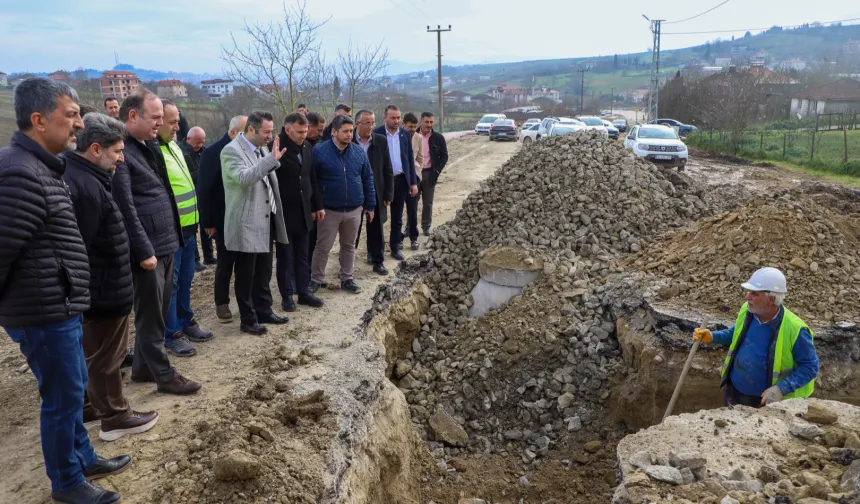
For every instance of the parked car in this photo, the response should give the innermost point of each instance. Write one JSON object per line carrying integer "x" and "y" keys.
{"x": 594, "y": 123}
{"x": 483, "y": 126}
{"x": 612, "y": 130}
{"x": 530, "y": 122}
{"x": 530, "y": 134}
{"x": 605, "y": 113}
{"x": 681, "y": 128}
{"x": 504, "y": 128}
{"x": 558, "y": 129}
{"x": 621, "y": 124}
{"x": 658, "y": 144}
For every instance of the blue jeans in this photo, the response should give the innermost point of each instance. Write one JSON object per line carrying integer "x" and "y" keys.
{"x": 179, "y": 314}
{"x": 55, "y": 354}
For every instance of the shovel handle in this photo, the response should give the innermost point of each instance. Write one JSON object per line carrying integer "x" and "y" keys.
{"x": 684, "y": 372}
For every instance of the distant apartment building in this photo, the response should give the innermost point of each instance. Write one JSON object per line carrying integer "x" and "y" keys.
{"x": 4, "y": 79}
{"x": 509, "y": 94}
{"x": 60, "y": 75}
{"x": 217, "y": 88}
{"x": 851, "y": 47}
{"x": 171, "y": 88}
{"x": 759, "y": 59}
{"x": 118, "y": 84}
{"x": 546, "y": 94}
{"x": 723, "y": 62}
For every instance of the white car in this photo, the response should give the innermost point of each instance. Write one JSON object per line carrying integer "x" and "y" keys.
{"x": 565, "y": 128}
{"x": 546, "y": 124}
{"x": 658, "y": 144}
{"x": 594, "y": 123}
{"x": 530, "y": 122}
{"x": 530, "y": 134}
{"x": 486, "y": 122}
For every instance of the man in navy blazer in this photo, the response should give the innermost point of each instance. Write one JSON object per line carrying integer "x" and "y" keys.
{"x": 405, "y": 180}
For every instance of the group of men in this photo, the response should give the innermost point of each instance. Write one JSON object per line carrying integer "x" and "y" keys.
{"x": 101, "y": 214}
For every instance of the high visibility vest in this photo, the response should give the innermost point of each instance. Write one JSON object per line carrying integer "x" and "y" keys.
{"x": 783, "y": 357}
{"x": 182, "y": 184}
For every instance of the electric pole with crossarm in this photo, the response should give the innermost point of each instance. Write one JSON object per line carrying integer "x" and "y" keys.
{"x": 439, "y": 31}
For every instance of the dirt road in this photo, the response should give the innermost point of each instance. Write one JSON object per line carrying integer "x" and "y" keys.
{"x": 223, "y": 364}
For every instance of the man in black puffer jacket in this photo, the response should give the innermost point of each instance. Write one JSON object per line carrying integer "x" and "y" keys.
{"x": 44, "y": 284}
{"x": 106, "y": 331}
{"x": 143, "y": 193}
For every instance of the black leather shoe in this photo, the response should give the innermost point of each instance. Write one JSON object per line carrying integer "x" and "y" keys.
{"x": 105, "y": 467}
{"x": 426, "y": 231}
{"x": 369, "y": 259}
{"x": 311, "y": 300}
{"x": 397, "y": 254}
{"x": 212, "y": 261}
{"x": 271, "y": 318}
{"x": 86, "y": 494}
{"x": 255, "y": 329}
{"x": 288, "y": 304}
{"x": 380, "y": 269}
{"x": 414, "y": 244}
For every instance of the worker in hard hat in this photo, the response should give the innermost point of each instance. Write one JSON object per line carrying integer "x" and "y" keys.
{"x": 771, "y": 356}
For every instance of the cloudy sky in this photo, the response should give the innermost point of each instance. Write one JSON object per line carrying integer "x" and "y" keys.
{"x": 186, "y": 35}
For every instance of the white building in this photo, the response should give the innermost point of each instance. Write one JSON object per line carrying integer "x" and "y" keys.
{"x": 546, "y": 94}
{"x": 794, "y": 64}
{"x": 217, "y": 88}
{"x": 4, "y": 79}
{"x": 723, "y": 62}
{"x": 840, "y": 96}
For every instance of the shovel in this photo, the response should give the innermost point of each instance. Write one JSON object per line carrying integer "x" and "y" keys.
{"x": 684, "y": 372}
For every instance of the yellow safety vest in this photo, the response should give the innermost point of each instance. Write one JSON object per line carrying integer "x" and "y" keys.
{"x": 182, "y": 184}
{"x": 783, "y": 357}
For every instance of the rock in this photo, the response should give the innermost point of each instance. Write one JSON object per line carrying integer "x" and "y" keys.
{"x": 574, "y": 424}
{"x": 565, "y": 400}
{"x": 513, "y": 435}
{"x": 260, "y": 430}
{"x": 719, "y": 422}
{"x": 850, "y": 481}
{"x": 446, "y": 430}
{"x": 780, "y": 449}
{"x": 813, "y": 500}
{"x": 237, "y": 466}
{"x": 729, "y": 500}
{"x": 804, "y": 430}
{"x": 799, "y": 263}
{"x": 742, "y": 486}
{"x": 818, "y": 486}
{"x": 819, "y": 414}
{"x": 852, "y": 441}
{"x": 592, "y": 446}
{"x": 738, "y": 474}
{"x": 641, "y": 459}
{"x": 689, "y": 459}
{"x": 687, "y": 476}
{"x": 768, "y": 474}
{"x": 665, "y": 473}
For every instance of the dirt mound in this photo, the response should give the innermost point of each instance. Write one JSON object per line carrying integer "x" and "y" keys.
{"x": 521, "y": 378}
{"x": 816, "y": 247}
{"x": 835, "y": 197}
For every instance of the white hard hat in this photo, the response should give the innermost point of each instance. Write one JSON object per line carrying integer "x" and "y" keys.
{"x": 766, "y": 279}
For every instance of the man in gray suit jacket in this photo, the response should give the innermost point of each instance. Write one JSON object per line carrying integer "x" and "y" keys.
{"x": 253, "y": 217}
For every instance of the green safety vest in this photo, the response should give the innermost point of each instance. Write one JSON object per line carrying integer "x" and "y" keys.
{"x": 182, "y": 184}
{"x": 783, "y": 358}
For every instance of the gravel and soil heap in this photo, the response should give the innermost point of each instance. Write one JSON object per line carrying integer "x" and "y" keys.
{"x": 817, "y": 247}
{"x": 516, "y": 379}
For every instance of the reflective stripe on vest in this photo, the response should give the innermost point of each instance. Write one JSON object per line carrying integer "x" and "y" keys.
{"x": 182, "y": 184}
{"x": 783, "y": 356}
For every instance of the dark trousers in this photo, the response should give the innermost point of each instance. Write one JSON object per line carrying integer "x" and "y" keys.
{"x": 105, "y": 346}
{"x": 428, "y": 191}
{"x": 152, "y": 291}
{"x": 731, "y": 397}
{"x": 293, "y": 268}
{"x": 253, "y": 274}
{"x": 223, "y": 270}
{"x": 56, "y": 358}
{"x": 312, "y": 245}
{"x": 375, "y": 237}
{"x": 206, "y": 245}
{"x": 401, "y": 198}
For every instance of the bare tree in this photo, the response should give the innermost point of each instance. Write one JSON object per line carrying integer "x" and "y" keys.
{"x": 277, "y": 57}
{"x": 90, "y": 92}
{"x": 322, "y": 84}
{"x": 360, "y": 65}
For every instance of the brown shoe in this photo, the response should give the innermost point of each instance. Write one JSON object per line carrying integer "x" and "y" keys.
{"x": 179, "y": 386}
{"x": 135, "y": 424}
{"x": 223, "y": 313}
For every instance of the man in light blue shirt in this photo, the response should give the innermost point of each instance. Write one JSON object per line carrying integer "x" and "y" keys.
{"x": 405, "y": 180}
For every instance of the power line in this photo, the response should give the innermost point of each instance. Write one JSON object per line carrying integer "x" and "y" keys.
{"x": 758, "y": 29}
{"x": 699, "y": 15}
{"x": 416, "y": 7}
{"x": 413, "y": 16}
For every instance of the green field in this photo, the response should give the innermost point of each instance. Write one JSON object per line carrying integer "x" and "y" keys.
{"x": 7, "y": 117}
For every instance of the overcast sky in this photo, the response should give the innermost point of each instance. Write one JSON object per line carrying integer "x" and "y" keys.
{"x": 186, "y": 35}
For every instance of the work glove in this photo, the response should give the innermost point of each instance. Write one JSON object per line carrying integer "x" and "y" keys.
{"x": 702, "y": 335}
{"x": 771, "y": 395}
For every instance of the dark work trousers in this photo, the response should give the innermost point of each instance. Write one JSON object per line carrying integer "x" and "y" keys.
{"x": 731, "y": 397}
{"x": 105, "y": 345}
{"x": 206, "y": 244}
{"x": 251, "y": 286}
{"x": 375, "y": 237}
{"x": 401, "y": 197}
{"x": 292, "y": 269}
{"x": 152, "y": 291}
{"x": 312, "y": 244}
{"x": 223, "y": 270}
{"x": 428, "y": 191}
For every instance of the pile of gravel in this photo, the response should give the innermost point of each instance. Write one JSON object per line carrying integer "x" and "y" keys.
{"x": 542, "y": 365}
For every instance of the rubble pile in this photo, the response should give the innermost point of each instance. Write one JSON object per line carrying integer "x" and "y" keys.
{"x": 818, "y": 248}
{"x": 817, "y": 461}
{"x": 521, "y": 375}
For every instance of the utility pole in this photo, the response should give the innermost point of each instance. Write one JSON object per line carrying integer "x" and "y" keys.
{"x": 439, "y": 31}
{"x": 654, "y": 89}
{"x": 582, "y": 87}
{"x": 611, "y": 99}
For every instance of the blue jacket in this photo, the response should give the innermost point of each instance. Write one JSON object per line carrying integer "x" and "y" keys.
{"x": 345, "y": 177}
{"x": 754, "y": 361}
{"x": 407, "y": 155}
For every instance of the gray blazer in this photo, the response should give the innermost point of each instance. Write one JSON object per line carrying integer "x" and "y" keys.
{"x": 246, "y": 198}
